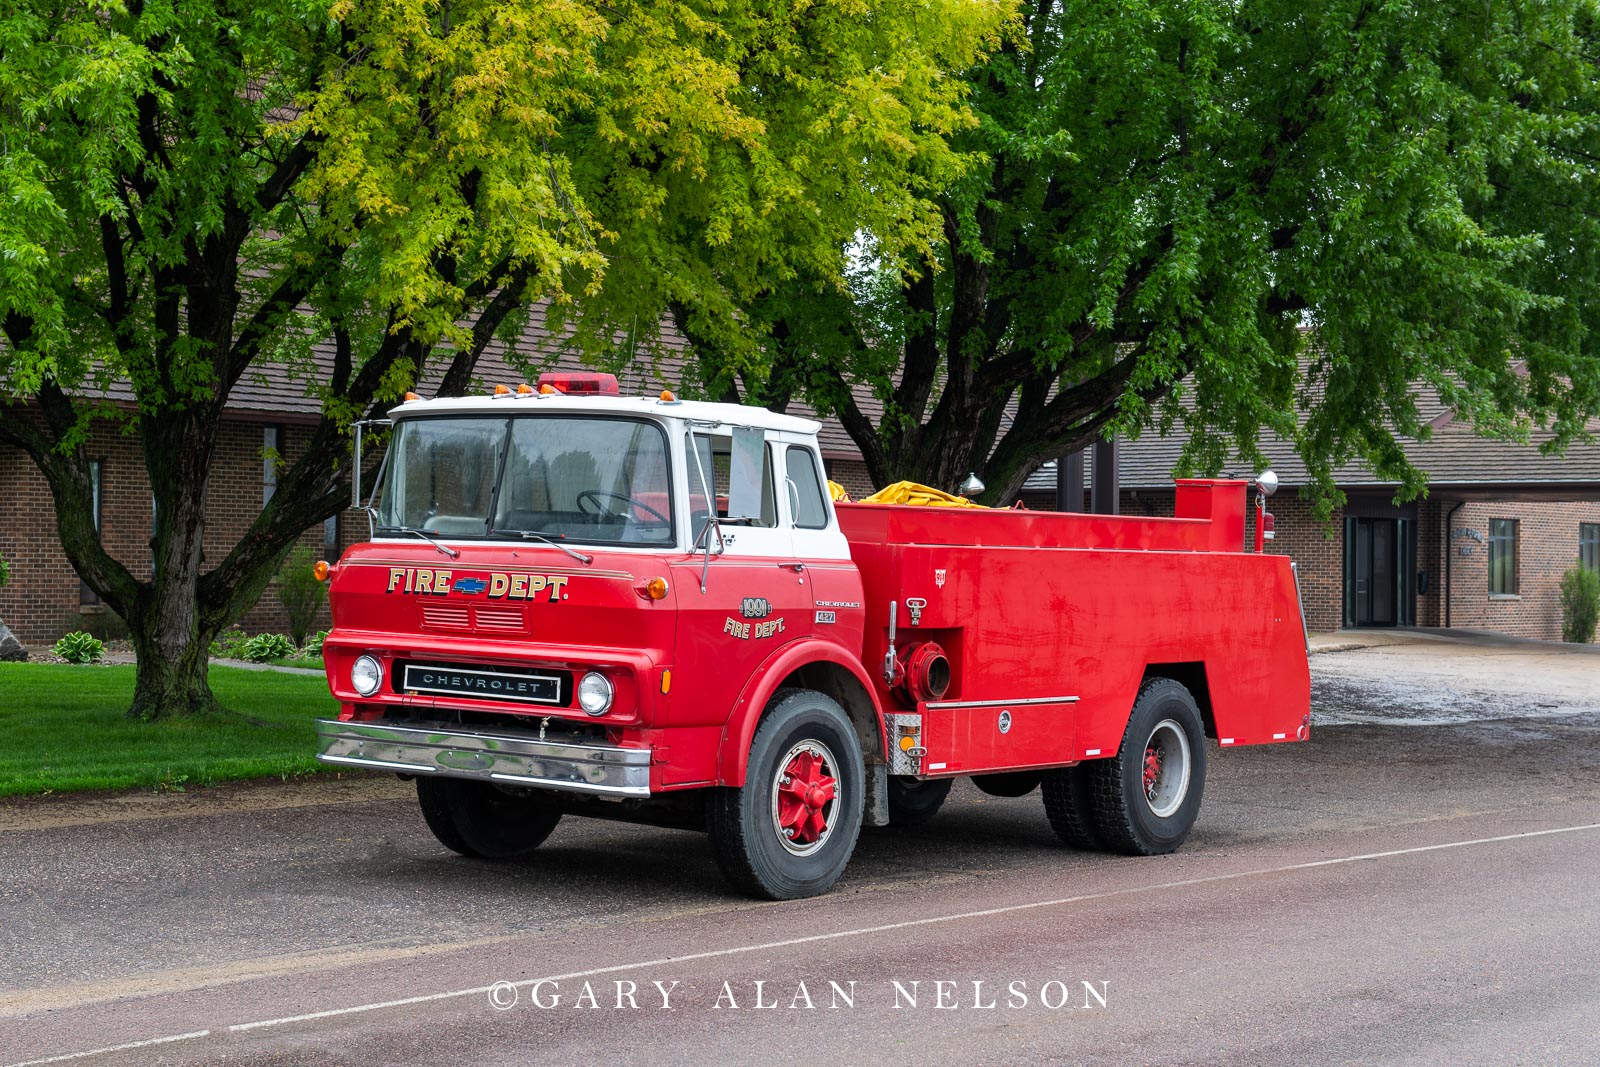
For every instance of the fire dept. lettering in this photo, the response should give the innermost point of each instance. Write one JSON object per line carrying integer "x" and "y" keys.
{"x": 751, "y": 631}
{"x": 500, "y": 586}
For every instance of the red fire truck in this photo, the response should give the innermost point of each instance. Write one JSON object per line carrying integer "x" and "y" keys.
{"x": 578, "y": 603}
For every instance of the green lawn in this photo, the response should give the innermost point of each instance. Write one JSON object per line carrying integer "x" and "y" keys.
{"x": 63, "y": 730}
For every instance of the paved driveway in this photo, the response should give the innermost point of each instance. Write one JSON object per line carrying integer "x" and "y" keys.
{"x": 1406, "y": 678}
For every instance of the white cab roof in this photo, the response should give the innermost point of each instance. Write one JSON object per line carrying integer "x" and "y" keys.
{"x": 651, "y": 407}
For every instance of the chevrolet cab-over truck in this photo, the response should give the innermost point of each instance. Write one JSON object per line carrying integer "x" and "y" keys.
{"x": 648, "y": 609}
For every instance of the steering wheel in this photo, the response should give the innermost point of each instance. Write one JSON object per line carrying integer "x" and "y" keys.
{"x": 594, "y": 496}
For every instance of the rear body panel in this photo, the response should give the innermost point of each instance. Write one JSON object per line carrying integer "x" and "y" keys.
{"x": 1051, "y": 621}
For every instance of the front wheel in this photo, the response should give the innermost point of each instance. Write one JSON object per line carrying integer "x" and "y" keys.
{"x": 789, "y": 831}
{"x": 1146, "y": 798}
{"x": 484, "y": 821}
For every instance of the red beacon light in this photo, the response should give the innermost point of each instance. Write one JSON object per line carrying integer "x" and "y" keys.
{"x": 580, "y": 383}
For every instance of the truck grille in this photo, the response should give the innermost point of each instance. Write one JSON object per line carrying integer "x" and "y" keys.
{"x": 445, "y": 616}
{"x": 504, "y": 620}
{"x": 460, "y": 617}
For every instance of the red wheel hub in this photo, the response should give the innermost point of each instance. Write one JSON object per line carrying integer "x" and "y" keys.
{"x": 1152, "y": 770}
{"x": 804, "y": 792}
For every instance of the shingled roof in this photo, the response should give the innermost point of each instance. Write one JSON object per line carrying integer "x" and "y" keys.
{"x": 271, "y": 391}
{"x": 1455, "y": 457}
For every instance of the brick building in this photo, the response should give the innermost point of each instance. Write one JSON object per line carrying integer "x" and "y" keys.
{"x": 269, "y": 414}
{"x": 1483, "y": 550}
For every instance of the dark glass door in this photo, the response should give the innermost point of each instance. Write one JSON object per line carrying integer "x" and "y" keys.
{"x": 1375, "y": 567}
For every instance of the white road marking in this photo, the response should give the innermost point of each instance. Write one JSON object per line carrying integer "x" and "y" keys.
{"x": 115, "y": 1048}
{"x": 768, "y": 946}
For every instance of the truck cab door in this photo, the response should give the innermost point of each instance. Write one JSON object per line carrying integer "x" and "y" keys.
{"x": 757, "y": 594}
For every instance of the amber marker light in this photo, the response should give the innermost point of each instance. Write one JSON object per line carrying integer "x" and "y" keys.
{"x": 320, "y": 569}
{"x": 666, "y": 681}
{"x": 502, "y": 390}
{"x": 524, "y": 389}
{"x": 546, "y": 390}
{"x": 412, "y": 396}
{"x": 667, "y": 397}
{"x": 907, "y": 743}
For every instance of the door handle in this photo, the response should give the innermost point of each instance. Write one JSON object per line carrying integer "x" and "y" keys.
{"x": 796, "y": 566}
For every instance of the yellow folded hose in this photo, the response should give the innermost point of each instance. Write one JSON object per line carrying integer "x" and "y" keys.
{"x": 919, "y": 496}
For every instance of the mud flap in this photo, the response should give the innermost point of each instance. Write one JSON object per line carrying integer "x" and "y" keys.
{"x": 876, "y": 810}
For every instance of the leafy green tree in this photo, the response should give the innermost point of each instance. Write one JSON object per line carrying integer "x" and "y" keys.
{"x": 300, "y": 592}
{"x": 1170, "y": 192}
{"x": 195, "y": 188}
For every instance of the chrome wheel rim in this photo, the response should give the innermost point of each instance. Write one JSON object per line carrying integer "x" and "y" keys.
{"x": 1165, "y": 768}
{"x": 805, "y": 797}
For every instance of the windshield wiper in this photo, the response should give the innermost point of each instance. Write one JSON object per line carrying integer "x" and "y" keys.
{"x": 535, "y": 535}
{"x": 446, "y": 549}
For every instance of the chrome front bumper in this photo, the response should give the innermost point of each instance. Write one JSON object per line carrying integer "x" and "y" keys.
{"x": 453, "y": 752}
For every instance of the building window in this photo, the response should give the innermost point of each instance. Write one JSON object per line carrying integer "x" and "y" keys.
{"x": 97, "y": 469}
{"x": 1589, "y": 545}
{"x": 269, "y": 463}
{"x": 330, "y": 536}
{"x": 1502, "y": 557}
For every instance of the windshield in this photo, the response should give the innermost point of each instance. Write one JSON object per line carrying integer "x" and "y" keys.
{"x": 593, "y": 480}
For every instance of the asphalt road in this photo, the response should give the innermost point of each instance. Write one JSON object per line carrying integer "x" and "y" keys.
{"x": 1382, "y": 894}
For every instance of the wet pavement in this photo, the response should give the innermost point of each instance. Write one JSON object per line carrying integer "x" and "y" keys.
{"x": 1388, "y": 892}
{"x": 1425, "y": 679}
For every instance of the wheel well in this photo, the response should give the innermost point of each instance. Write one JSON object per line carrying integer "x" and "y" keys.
{"x": 1192, "y": 676}
{"x": 847, "y": 691}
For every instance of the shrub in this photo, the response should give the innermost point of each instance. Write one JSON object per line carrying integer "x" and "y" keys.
{"x": 263, "y": 647}
{"x": 313, "y": 646}
{"x": 1580, "y": 605}
{"x": 301, "y": 594}
{"x": 229, "y": 644}
{"x": 79, "y": 647}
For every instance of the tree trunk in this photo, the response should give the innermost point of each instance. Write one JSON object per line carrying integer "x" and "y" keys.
{"x": 171, "y": 641}
{"x": 171, "y": 678}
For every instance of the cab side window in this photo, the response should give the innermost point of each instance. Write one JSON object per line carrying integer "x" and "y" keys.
{"x": 715, "y": 460}
{"x": 805, "y": 489}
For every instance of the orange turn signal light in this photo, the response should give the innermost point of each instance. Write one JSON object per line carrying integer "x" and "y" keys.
{"x": 320, "y": 569}
{"x": 412, "y": 396}
{"x": 907, "y": 743}
{"x": 656, "y": 588}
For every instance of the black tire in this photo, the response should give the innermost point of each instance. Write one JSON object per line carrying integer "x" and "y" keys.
{"x": 801, "y": 731}
{"x": 1127, "y": 818}
{"x": 913, "y": 801}
{"x": 1008, "y": 783}
{"x": 1069, "y": 805}
{"x": 483, "y": 821}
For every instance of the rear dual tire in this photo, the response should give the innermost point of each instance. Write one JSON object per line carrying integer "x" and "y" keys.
{"x": 1144, "y": 800}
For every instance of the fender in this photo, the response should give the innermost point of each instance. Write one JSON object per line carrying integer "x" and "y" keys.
{"x": 734, "y": 752}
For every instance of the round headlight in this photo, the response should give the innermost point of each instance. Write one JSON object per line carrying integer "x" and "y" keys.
{"x": 366, "y": 674}
{"x": 595, "y": 693}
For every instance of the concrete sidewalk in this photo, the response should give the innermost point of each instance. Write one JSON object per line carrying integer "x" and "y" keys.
{"x": 1347, "y": 640}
